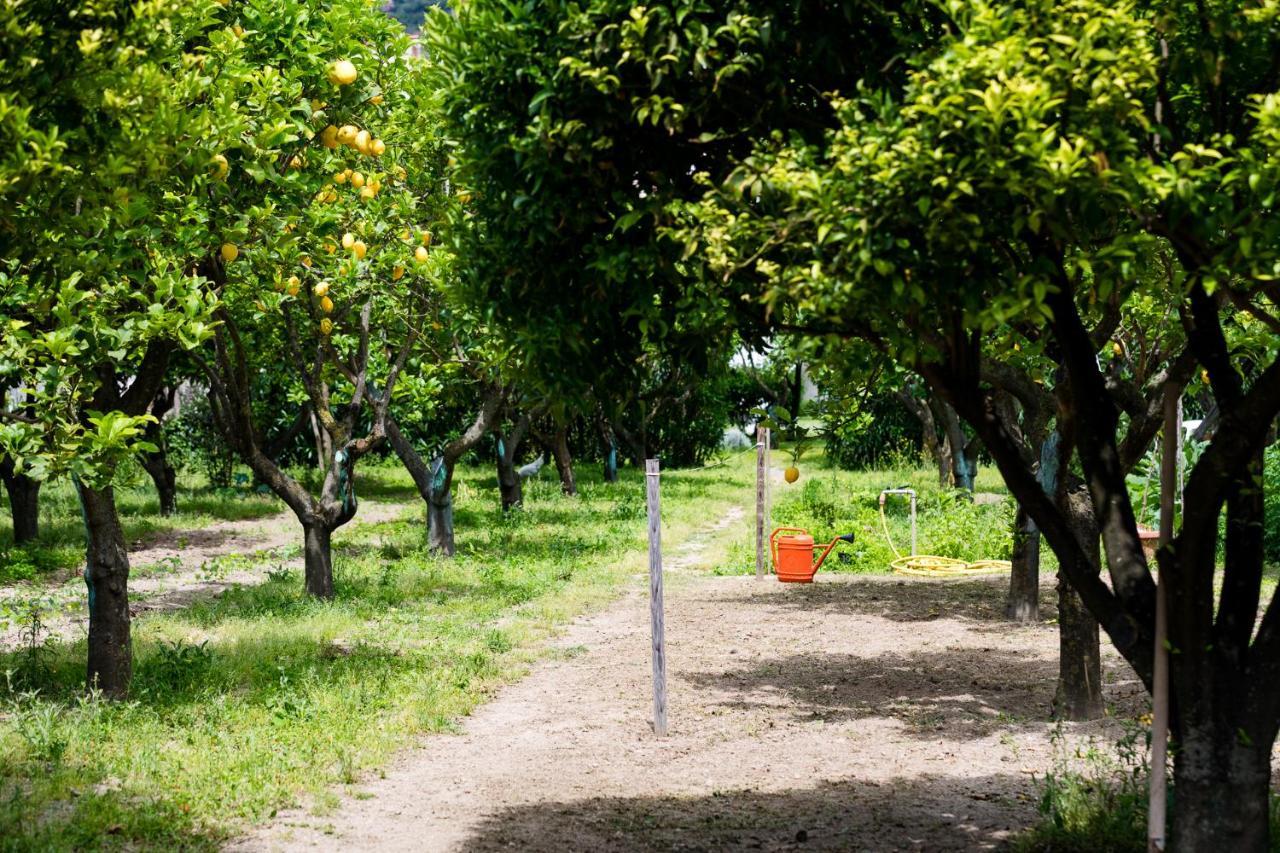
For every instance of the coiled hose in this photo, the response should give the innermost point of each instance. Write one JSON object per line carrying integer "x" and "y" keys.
{"x": 929, "y": 565}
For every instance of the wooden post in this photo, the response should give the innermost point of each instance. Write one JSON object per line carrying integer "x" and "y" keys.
{"x": 762, "y": 456}
{"x": 655, "y": 600}
{"x": 1169, "y": 482}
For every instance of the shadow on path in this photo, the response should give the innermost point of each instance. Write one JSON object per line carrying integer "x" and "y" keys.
{"x": 933, "y": 813}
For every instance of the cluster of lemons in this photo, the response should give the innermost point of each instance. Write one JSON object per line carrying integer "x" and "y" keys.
{"x": 341, "y": 73}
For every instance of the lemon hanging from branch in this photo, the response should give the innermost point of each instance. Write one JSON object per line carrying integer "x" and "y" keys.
{"x": 342, "y": 73}
{"x": 782, "y": 419}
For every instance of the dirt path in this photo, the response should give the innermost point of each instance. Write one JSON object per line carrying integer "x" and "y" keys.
{"x": 860, "y": 713}
{"x": 174, "y": 568}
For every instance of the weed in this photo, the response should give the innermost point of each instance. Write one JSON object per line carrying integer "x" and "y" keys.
{"x": 178, "y": 666}
{"x": 39, "y": 724}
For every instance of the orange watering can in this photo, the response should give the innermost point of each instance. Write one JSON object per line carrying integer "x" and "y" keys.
{"x": 793, "y": 555}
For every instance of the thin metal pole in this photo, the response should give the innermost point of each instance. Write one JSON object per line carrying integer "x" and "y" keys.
{"x": 762, "y": 455}
{"x": 768, "y": 485}
{"x": 656, "y": 616}
{"x": 914, "y": 547}
{"x": 1156, "y": 804}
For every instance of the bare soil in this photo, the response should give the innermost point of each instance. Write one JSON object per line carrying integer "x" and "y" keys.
{"x": 858, "y": 713}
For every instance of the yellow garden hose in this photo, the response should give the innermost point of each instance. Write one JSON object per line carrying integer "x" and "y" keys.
{"x": 928, "y": 565}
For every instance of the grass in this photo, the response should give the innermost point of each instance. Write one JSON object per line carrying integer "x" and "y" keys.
{"x": 262, "y": 699}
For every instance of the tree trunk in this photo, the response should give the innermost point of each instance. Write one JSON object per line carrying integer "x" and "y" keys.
{"x": 1023, "y": 604}
{"x": 24, "y": 503}
{"x": 510, "y": 483}
{"x": 611, "y": 463}
{"x": 157, "y": 464}
{"x": 1222, "y": 791}
{"x": 165, "y": 479}
{"x": 1079, "y": 691}
{"x": 929, "y": 430}
{"x": 510, "y": 486}
{"x": 318, "y": 555}
{"x": 440, "y": 525}
{"x": 106, "y": 575}
{"x": 564, "y": 461}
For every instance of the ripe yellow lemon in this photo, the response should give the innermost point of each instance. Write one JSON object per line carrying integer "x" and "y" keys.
{"x": 426, "y": 238}
{"x": 368, "y": 193}
{"x": 397, "y": 273}
{"x": 326, "y": 326}
{"x": 791, "y": 474}
{"x": 359, "y": 249}
{"x": 420, "y": 254}
{"x": 321, "y": 289}
{"x": 229, "y": 252}
{"x": 348, "y": 240}
{"x": 346, "y": 134}
{"x": 326, "y": 305}
{"x": 362, "y": 140}
{"x": 329, "y": 137}
{"x": 357, "y": 180}
{"x": 340, "y": 178}
{"x": 292, "y": 285}
{"x": 377, "y": 148}
{"x": 342, "y": 73}
{"x": 1116, "y": 348}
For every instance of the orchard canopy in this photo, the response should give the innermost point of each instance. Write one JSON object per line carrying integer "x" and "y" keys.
{"x": 305, "y": 255}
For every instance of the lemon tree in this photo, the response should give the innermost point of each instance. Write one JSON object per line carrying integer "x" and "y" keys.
{"x": 1038, "y": 174}
{"x": 99, "y": 187}
{"x": 321, "y": 227}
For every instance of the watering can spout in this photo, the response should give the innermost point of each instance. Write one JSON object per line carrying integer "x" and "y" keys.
{"x": 848, "y": 537}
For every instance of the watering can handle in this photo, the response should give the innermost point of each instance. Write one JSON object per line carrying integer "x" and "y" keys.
{"x": 773, "y": 540}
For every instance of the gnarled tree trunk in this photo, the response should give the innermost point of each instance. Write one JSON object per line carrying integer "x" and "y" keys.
{"x": 165, "y": 479}
{"x": 156, "y": 463}
{"x": 929, "y": 430}
{"x": 434, "y": 482}
{"x": 564, "y": 460}
{"x": 1079, "y": 692}
{"x": 24, "y": 502}
{"x": 1023, "y": 603}
{"x": 318, "y": 557}
{"x": 510, "y": 484}
{"x": 106, "y": 575}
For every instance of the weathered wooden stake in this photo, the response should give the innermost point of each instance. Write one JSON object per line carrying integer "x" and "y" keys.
{"x": 655, "y": 600}
{"x": 762, "y": 456}
{"x": 1169, "y": 483}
